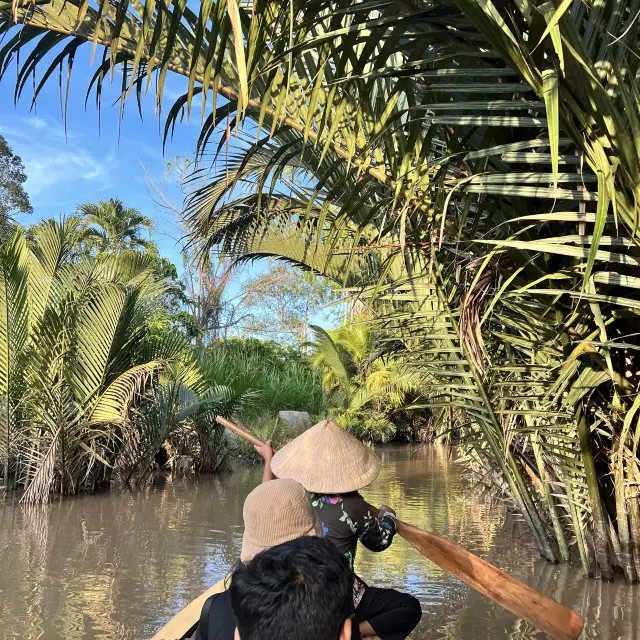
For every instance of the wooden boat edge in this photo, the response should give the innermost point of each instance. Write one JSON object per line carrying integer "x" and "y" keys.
{"x": 187, "y": 618}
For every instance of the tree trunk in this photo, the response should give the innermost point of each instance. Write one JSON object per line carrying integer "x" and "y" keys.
{"x": 210, "y": 459}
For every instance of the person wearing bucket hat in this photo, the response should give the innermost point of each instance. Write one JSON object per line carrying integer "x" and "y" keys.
{"x": 333, "y": 466}
{"x": 275, "y": 512}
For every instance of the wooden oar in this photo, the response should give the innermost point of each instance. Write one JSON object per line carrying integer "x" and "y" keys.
{"x": 541, "y": 611}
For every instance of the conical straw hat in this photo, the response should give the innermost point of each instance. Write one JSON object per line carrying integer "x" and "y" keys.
{"x": 327, "y": 459}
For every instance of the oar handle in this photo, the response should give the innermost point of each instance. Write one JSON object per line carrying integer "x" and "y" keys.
{"x": 243, "y": 433}
{"x": 497, "y": 585}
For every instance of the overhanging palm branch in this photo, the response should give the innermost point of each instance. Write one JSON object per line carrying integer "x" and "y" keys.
{"x": 474, "y": 164}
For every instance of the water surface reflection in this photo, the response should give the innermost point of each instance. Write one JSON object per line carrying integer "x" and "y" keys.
{"x": 118, "y": 565}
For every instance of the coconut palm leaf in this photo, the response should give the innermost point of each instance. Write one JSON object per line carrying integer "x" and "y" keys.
{"x": 109, "y": 226}
{"x": 14, "y": 332}
{"x": 328, "y": 354}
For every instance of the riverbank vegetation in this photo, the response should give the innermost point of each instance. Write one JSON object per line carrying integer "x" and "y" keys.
{"x": 466, "y": 170}
{"x": 366, "y": 390}
{"x": 88, "y": 390}
{"x": 100, "y": 383}
{"x": 109, "y": 378}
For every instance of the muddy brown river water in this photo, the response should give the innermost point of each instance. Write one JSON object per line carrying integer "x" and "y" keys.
{"x": 118, "y": 565}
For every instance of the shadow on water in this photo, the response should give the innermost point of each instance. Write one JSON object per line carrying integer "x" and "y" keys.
{"x": 118, "y": 565}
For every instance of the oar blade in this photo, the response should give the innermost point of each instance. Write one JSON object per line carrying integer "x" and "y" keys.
{"x": 541, "y": 611}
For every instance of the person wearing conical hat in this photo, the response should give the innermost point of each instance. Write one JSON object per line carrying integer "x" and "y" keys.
{"x": 333, "y": 466}
{"x": 275, "y": 512}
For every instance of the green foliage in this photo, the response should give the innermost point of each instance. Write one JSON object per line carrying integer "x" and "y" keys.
{"x": 279, "y": 377}
{"x": 111, "y": 227}
{"x": 283, "y": 379}
{"x": 72, "y": 339}
{"x": 275, "y": 354}
{"x": 267, "y": 427}
{"x": 466, "y": 169}
{"x": 91, "y": 382}
{"x": 178, "y": 414}
{"x": 368, "y": 425}
{"x": 13, "y": 197}
{"x": 175, "y": 295}
{"x": 364, "y": 385}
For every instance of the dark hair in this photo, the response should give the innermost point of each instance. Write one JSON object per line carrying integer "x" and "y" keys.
{"x": 299, "y": 590}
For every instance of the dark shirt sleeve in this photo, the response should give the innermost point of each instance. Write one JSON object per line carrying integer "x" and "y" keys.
{"x": 375, "y": 533}
{"x": 217, "y": 621}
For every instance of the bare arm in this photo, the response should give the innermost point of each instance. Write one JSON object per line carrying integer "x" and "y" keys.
{"x": 266, "y": 453}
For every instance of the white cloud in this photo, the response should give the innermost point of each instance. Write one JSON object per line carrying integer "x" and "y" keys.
{"x": 54, "y": 165}
{"x": 49, "y": 167}
{"x": 48, "y": 128}
{"x": 35, "y": 122}
{"x": 172, "y": 94}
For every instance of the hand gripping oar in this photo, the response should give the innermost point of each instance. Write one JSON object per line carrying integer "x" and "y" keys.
{"x": 541, "y": 611}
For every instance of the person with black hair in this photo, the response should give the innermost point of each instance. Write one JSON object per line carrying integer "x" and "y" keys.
{"x": 273, "y": 513}
{"x": 298, "y": 590}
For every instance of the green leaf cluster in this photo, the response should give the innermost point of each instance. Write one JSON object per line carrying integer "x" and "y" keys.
{"x": 468, "y": 170}
{"x": 365, "y": 383}
{"x": 86, "y": 390}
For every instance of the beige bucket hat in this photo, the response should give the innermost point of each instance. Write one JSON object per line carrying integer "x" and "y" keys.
{"x": 327, "y": 459}
{"x": 275, "y": 512}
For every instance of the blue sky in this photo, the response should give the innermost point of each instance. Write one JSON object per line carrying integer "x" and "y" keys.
{"x": 89, "y": 163}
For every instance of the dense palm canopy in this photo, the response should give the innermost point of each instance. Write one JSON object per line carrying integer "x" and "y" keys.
{"x": 85, "y": 388}
{"x": 110, "y": 226}
{"x": 469, "y": 169}
{"x": 71, "y": 338}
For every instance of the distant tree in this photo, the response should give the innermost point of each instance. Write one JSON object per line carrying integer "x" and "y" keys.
{"x": 174, "y": 296}
{"x": 205, "y": 286}
{"x": 111, "y": 227}
{"x": 282, "y": 302}
{"x": 208, "y": 310}
{"x": 13, "y": 197}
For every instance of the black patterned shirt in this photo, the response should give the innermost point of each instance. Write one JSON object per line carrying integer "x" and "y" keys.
{"x": 347, "y": 518}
